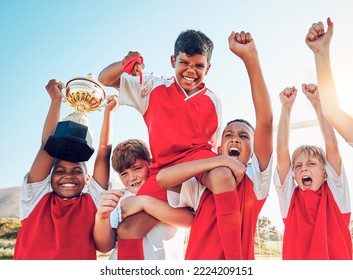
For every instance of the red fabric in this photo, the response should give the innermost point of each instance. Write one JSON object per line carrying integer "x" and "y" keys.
{"x": 130, "y": 249}
{"x": 129, "y": 64}
{"x": 315, "y": 229}
{"x": 205, "y": 242}
{"x": 179, "y": 128}
{"x": 250, "y": 208}
{"x": 229, "y": 223}
{"x": 58, "y": 229}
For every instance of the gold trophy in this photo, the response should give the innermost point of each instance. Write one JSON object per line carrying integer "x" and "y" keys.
{"x": 72, "y": 140}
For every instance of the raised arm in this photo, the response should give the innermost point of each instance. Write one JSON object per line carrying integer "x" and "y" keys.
{"x": 319, "y": 42}
{"x": 110, "y": 75}
{"x": 243, "y": 45}
{"x": 332, "y": 152}
{"x": 43, "y": 162}
{"x": 161, "y": 210}
{"x": 287, "y": 97}
{"x": 101, "y": 170}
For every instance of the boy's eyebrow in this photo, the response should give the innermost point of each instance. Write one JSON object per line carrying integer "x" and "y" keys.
{"x": 239, "y": 131}
{"x": 183, "y": 60}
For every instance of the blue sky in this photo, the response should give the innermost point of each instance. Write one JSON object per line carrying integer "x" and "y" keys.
{"x": 41, "y": 40}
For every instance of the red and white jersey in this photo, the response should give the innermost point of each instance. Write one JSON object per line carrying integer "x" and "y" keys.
{"x": 204, "y": 242}
{"x": 54, "y": 228}
{"x": 316, "y": 222}
{"x": 338, "y": 186}
{"x": 178, "y": 125}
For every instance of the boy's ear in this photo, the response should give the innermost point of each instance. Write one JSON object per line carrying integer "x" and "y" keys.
{"x": 172, "y": 60}
{"x": 208, "y": 68}
{"x": 88, "y": 178}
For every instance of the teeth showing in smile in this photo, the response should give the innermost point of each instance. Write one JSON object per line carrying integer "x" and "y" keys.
{"x": 234, "y": 152}
{"x": 189, "y": 79}
{"x": 306, "y": 180}
{"x": 68, "y": 185}
{"x": 135, "y": 185}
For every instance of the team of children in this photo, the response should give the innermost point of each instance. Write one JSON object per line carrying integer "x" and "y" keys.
{"x": 201, "y": 177}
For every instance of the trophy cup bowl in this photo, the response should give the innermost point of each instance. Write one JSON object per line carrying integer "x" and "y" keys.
{"x": 72, "y": 140}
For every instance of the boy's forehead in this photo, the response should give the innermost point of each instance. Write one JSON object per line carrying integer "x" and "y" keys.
{"x": 197, "y": 56}
{"x": 139, "y": 162}
{"x": 238, "y": 126}
{"x": 306, "y": 156}
{"x": 65, "y": 163}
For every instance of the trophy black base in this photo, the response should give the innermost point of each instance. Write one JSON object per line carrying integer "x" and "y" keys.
{"x": 70, "y": 142}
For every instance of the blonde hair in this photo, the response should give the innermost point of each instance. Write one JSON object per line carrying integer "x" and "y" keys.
{"x": 310, "y": 151}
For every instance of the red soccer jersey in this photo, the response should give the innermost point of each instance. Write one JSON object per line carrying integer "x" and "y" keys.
{"x": 180, "y": 128}
{"x": 58, "y": 229}
{"x": 250, "y": 208}
{"x": 315, "y": 228}
{"x": 178, "y": 125}
{"x": 205, "y": 243}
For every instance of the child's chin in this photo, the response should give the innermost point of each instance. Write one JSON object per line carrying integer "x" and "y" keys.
{"x": 307, "y": 188}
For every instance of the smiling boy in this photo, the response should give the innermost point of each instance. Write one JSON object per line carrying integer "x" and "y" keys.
{"x": 131, "y": 159}
{"x": 57, "y": 211}
{"x": 182, "y": 115}
{"x": 225, "y": 229}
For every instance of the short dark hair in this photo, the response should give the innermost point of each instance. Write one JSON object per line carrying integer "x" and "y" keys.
{"x": 242, "y": 121}
{"x": 127, "y": 152}
{"x": 57, "y": 160}
{"x": 193, "y": 42}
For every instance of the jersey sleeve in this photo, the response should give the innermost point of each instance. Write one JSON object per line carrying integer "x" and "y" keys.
{"x": 190, "y": 194}
{"x": 31, "y": 194}
{"x": 217, "y": 136}
{"x": 285, "y": 191}
{"x": 339, "y": 187}
{"x": 130, "y": 91}
{"x": 261, "y": 180}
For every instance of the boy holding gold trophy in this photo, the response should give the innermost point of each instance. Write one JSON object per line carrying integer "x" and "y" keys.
{"x": 57, "y": 215}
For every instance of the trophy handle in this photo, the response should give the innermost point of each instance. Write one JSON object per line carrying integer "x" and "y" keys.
{"x": 63, "y": 95}
{"x": 105, "y": 104}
